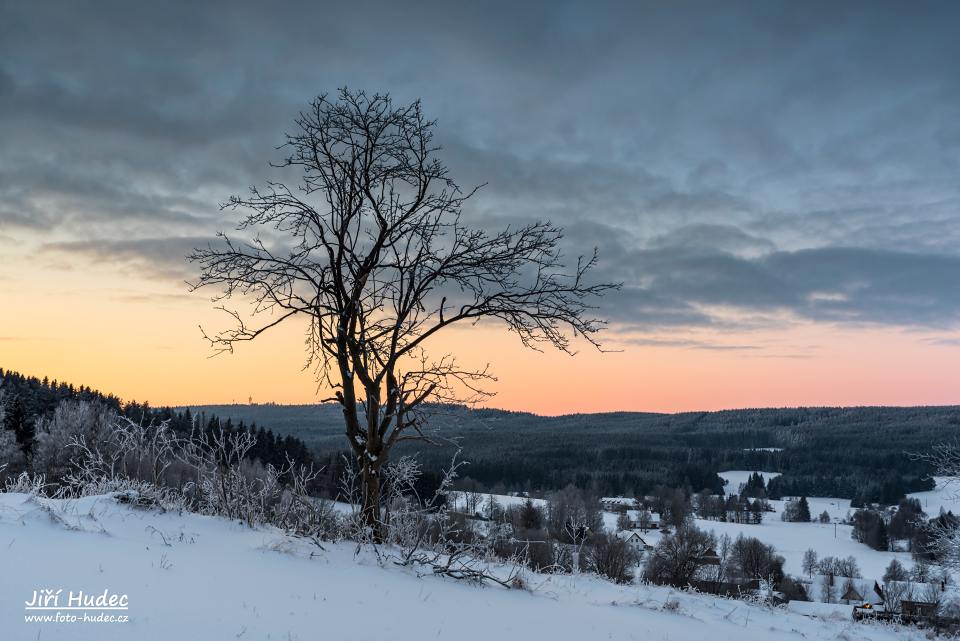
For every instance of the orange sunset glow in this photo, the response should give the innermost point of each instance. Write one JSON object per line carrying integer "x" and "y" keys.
{"x": 141, "y": 341}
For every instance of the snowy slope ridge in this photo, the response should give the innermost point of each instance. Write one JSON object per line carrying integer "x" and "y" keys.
{"x": 192, "y": 577}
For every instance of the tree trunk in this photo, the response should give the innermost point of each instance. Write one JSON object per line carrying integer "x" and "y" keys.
{"x": 370, "y": 478}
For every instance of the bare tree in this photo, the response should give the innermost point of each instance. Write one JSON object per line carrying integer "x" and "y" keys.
{"x": 894, "y": 592}
{"x": 372, "y": 249}
{"x": 612, "y": 557}
{"x": 943, "y": 534}
{"x": 678, "y": 558}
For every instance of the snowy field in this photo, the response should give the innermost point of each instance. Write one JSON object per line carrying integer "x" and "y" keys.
{"x": 735, "y": 478}
{"x": 946, "y": 495}
{"x": 833, "y": 539}
{"x": 193, "y": 577}
{"x": 792, "y": 539}
{"x": 460, "y": 500}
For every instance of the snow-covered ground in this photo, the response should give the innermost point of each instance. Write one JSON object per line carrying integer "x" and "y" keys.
{"x": 193, "y": 577}
{"x": 833, "y": 539}
{"x": 946, "y": 495}
{"x": 461, "y": 500}
{"x": 792, "y": 539}
{"x": 733, "y": 479}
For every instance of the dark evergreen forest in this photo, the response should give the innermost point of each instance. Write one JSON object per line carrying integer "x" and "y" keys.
{"x": 28, "y": 398}
{"x": 860, "y": 453}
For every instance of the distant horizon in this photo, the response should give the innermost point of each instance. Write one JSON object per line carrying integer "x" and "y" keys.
{"x": 520, "y": 411}
{"x": 256, "y": 403}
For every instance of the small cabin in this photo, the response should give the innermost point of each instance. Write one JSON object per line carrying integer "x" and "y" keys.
{"x": 918, "y": 608}
{"x": 710, "y": 557}
{"x": 861, "y": 591}
{"x": 917, "y": 599}
{"x": 826, "y": 588}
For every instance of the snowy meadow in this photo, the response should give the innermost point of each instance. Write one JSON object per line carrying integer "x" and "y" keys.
{"x": 191, "y": 576}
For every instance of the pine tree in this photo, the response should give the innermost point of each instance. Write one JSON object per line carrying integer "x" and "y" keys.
{"x": 895, "y": 572}
{"x": 17, "y": 421}
{"x": 881, "y": 540}
{"x": 803, "y": 510}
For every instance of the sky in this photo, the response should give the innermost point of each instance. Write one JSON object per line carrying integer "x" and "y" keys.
{"x": 776, "y": 184}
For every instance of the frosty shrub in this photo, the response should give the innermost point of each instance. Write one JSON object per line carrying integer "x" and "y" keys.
{"x": 25, "y": 483}
{"x": 122, "y": 456}
{"x": 421, "y": 532}
{"x": 90, "y": 451}
{"x": 72, "y": 420}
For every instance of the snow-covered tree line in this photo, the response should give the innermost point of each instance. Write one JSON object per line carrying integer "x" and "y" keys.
{"x": 86, "y": 448}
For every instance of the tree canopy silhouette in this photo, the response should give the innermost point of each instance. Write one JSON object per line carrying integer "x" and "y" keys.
{"x": 372, "y": 247}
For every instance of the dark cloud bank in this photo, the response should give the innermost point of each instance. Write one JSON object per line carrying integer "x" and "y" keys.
{"x": 765, "y": 157}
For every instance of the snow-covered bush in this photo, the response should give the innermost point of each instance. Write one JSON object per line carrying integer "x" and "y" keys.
{"x": 72, "y": 420}
{"x": 25, "y": 483}
{"x": 229, "y": 484}
{"x": 421, "y": 532}
{"x": 126, "y": 455}
{"x": 85, "y": 450}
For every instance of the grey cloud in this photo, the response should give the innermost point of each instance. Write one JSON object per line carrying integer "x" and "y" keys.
{"x": 725, "y": 238}
{"x": 760, "y": 156}
{"x": 832, "y": 284}
{"x": 158, "y": 257}
{"x": 683, "y": 343}
{"x": 650, "y": 308}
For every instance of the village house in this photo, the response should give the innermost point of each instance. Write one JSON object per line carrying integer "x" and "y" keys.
{"x": 918, "y": 608}
{"x": 643, "y": 520}
{"x": 636, "y": 541}
{"x": 912, "y": 598}
{"x": 617, "y": 503}
{"x": 640, "y": 518}
{"x": 827, "y": 588}
{"x": 710, "y": 557}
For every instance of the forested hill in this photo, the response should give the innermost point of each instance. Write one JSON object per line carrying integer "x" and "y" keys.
{"x": 861, "y": 453}
{"x": 858, "y": 452}
{"x": 26, "y": 400}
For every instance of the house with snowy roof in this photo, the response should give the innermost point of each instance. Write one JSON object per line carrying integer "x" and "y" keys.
{"x": 633, "y": 538}
{"x": 828, "y": 588}
{"x": 918, "y": 599}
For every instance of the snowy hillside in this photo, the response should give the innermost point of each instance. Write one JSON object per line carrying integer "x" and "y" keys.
{"x": 195, "y": 577}
{"x": 791, "y": 540}
{"x": 945, "y": 496}
{"x": 733, "y": 479}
